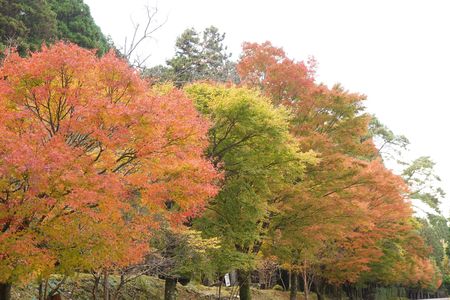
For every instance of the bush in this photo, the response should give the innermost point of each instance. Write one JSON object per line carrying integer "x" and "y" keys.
{"x": 278, "y": 287}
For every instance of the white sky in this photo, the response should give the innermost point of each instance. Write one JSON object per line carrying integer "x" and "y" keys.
{"x": 396, "y": 52}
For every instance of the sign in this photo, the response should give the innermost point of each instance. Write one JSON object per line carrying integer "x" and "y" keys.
{"x": 227, "y": 279}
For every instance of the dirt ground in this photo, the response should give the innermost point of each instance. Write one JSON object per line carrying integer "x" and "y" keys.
{"x": 143, "y": 288}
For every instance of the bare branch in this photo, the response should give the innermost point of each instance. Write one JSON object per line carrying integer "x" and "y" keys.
{"x": 139, "y": 36}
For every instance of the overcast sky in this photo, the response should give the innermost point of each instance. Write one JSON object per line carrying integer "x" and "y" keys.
{"x": 395, "y": 52}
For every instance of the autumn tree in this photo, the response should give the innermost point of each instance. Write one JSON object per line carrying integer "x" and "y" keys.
{"x": 426, "y": 193}
{"x": 405, "y": 262}
{"x": 383, "y": 214}
{"x": 406, "y": 258}
{"x": 327, "y": 121}
{"x": 334, "y": 238}
{"x": 334, "y": 222}
{"x": 90, "y": 161}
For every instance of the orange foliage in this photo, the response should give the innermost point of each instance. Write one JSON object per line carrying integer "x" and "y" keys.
{"x": 339, "y": 216}
{"x": 90, "y": 159}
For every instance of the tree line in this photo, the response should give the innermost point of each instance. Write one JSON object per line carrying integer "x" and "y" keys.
{"x": 202, "y": 167}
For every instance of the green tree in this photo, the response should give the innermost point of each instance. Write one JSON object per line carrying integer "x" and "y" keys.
{"x": 423, "y": 182}
{"x": 26, "y": 24}
{"x": 198, "y": 56}
{"x": 181, "y": 254}
{"x": 419, "y": 174}
{"x": 75, "y": 24}
{"x": 436, "y": 232}
{"x": 389, "y": 144}
{"x": 250, "y": 142}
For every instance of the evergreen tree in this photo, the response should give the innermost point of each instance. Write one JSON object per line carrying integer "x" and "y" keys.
{"x": 198, "y": 56}
{"x": 75, "y": 24}
{"x": 27, "y": 24}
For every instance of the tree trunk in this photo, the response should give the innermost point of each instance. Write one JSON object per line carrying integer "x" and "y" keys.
{"x": 306, "y": 285}
{"x": 5, "y": 291}
{"x": 318, "y": 287}
{"x": 41, "y": 291}
{"x": 244, "y": 285}
{"x": 284, "y": 279}
{"x": 45, "y": 288}
{"x": 293, "y": 285}
{"x": 170, "y": 289}
{"x": 220, "y": 288}
{"x": 105, "y": 285}
{"x": 95, "y": 287}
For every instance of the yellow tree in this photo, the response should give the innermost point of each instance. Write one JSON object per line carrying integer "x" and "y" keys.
{"x": 250, "y": 142}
